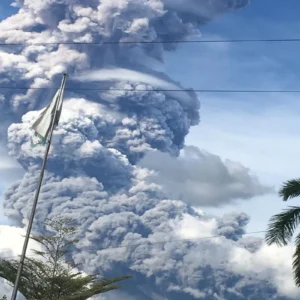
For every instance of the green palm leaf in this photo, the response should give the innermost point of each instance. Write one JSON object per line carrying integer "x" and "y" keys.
{"x": 296, "y": 262}
{"x": 282, "y": 226}
{"x": 290, "y": 189}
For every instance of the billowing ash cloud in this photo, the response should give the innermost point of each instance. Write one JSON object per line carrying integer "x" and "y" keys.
{"x": 93, "y": 173}
{"x": 119, "y": 208}
{"x": 202, "y": 179}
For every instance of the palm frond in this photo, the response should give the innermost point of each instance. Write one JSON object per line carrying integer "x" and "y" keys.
{"x": 282, "y": 226}
{"x": 296, "y": 261}
{"x": 290, "y": 189}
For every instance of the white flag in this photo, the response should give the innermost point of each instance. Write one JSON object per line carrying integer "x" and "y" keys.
{"x": 42, "y": 125}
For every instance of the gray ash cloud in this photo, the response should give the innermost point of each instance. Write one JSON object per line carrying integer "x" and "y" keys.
{"x": 93, "y": 173}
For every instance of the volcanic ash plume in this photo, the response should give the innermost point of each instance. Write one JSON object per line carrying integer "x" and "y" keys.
{"x": 94, "y": 174}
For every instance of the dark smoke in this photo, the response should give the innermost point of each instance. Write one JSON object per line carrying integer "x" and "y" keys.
{"x": 93, "y": 174}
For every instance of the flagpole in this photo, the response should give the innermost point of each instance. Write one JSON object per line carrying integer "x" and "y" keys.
{"x": 27, "y": 237}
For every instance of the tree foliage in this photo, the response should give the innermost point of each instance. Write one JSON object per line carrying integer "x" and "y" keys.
{"x": 282, "y": 226}
{"x": 290, "y": 189}
{"x": 52, "y": 276}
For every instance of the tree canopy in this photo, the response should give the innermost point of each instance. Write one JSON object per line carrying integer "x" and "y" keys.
{"x": 283, "y": 225}
{"x": 50, "y": 275}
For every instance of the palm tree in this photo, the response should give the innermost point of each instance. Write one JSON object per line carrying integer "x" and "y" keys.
{"x": 282, "y": 226}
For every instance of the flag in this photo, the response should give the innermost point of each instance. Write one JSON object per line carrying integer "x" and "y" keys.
{"x": 43, "y": 124}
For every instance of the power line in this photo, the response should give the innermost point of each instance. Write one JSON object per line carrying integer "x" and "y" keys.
{"x": 153, "y": 243}
{"x": 275, "y": 40}
{"x": 153, "y": 90}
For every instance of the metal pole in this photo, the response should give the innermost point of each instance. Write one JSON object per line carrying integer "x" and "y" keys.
{"x": 27, "y": 237}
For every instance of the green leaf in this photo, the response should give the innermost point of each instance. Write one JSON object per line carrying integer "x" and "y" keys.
{"x": 296, "y": 262}
{"x": 282, "y": 226}
{"x": 290, "y": 189}
{"x": 53, "y": 277}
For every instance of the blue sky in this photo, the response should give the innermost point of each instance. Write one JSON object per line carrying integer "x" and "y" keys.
{"x": 259, "y": 130}
{"x": 6, "y": 9}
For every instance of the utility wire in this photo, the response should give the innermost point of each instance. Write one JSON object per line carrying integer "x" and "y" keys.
{"x": 277, "y": 40}
{"x": 153, "y": 90}
{"x": 152, "y": 243}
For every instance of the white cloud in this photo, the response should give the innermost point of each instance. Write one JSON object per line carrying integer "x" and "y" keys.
{"x": 10, "y": 171}
{"x": 203, "y": 179}
{"x": 118, "y": 74}
{"x": 90, "y": 148}
{"x": 11, "y": 244}
{"x": 190, "y": 227}
{"x": 138, "y": 79}
{"x": 11, "y": 241}
{"x": 259, "y": 264}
